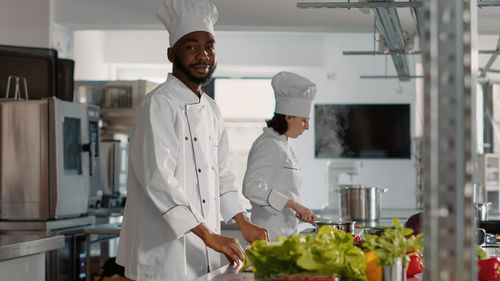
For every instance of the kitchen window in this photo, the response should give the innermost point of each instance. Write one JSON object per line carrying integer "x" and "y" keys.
{"x": 245, "y": 105}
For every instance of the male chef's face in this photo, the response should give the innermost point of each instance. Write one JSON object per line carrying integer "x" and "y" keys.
{"x": 296, "y": 125}
{"x": 193, "y": 57}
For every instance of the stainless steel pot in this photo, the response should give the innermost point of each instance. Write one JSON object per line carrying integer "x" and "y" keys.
{"x": 481, "y": 210}
{"x": 360, "y": 203}
{"x": 395, "y": 272}
{"x": 347, "y": 226}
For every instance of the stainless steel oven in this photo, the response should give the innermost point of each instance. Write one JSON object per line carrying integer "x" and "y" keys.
{"x": 113, "y": 155}
{"x": 48, "y": 154}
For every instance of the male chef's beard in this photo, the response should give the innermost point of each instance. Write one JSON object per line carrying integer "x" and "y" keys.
{"x": 191, "y": 77}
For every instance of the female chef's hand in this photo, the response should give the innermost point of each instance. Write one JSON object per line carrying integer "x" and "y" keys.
{"x": 250, "y": 231}
{"x": 228, "y": 246}
{"x": 304, "y": 214}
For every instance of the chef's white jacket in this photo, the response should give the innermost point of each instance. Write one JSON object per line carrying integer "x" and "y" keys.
{"x": 272, "y": 177}
{"x": 177, "y": 178}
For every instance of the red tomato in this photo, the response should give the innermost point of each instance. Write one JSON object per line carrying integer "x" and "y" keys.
{"x": 415, "y": 266}
{"x": 357, "y": 239}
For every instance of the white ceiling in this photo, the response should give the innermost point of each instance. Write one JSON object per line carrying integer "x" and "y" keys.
{"x": 251, "y": 15}
{"x": 267, "y": 15}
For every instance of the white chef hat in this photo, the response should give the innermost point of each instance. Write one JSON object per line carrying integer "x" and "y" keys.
{"x": 181, "y": 17}
{"x": 294, "y": 94}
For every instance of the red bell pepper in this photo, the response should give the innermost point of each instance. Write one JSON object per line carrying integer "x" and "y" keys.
{"x": 488, "y": 269}
{"x": 415, "y": 266}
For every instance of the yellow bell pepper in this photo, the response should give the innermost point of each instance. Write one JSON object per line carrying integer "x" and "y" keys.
{"x": 373, "y": 271}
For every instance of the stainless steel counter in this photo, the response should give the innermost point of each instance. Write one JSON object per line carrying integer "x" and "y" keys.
{"x": 16, "y": 244}
{"x": 227, "y": 273}
{"x": 110, "y": 231}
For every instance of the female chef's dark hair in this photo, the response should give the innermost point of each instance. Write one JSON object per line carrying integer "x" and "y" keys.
{"x": 278, "y": 123}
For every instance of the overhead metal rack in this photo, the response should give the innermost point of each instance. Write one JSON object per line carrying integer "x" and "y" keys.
{"x": 387, "y": 23}
{"x": 490, "y": 61}
{"x": 350, "y": 5}
{"x": 490, "y": 70}
{"x": 396, "y": 4}
{"x": 485, "y": 70}
{"x": 488, "y": 3}
{"x": 419, "y": 17}
{"x": 497, "y": 51}
{"x": 389, "y": 27}
{"x": 375, "y": 53}
{"x": 388, "y": 76}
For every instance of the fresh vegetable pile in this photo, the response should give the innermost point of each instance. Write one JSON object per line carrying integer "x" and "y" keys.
{"x": 330, "y": 252}
{"x": 334, "y": 252}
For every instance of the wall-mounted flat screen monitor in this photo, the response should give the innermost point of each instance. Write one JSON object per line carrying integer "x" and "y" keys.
{"x": 378, "y": 131}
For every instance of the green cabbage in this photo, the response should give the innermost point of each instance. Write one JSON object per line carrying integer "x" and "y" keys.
{"x": 330, "y": 252}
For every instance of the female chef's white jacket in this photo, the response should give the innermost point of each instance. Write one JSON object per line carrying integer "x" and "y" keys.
{"x": 272, "y": 177}
{"x": 178, "y": 178}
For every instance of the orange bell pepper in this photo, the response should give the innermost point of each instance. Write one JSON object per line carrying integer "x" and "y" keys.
{"x": 373, "y": 271}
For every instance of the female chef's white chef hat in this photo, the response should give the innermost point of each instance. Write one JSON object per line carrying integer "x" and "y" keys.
{"x": 294, "y": 94}
{"x": 181, "y": 17}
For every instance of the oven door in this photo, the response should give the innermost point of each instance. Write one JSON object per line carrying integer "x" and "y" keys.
{"x": 69, "y": 184}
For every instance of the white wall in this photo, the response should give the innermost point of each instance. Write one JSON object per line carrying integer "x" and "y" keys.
{"x": 25, "y": 23}
{"x": 90, "y": 61}
{"x": 317, "y": 56}
{"x": 30, "y": 23}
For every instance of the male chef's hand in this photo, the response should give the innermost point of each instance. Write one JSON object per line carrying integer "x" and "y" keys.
{"x": 250, "y": 231}
{"x": 304, "y": 214}
{"x": 228, "y": 246}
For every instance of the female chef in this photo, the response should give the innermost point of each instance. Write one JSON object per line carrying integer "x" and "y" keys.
{"x": 273, "y": 176}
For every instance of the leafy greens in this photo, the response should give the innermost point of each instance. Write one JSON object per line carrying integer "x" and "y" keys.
{"x": 394, "y": 242}
{"x": 330, "y": 252}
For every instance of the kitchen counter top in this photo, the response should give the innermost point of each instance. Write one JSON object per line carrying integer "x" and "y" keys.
{"x": 385, "y": 218}
{"x": 227, "y": 273}
{"x": 230, "y": 273}
{"x": 16, "y": 244}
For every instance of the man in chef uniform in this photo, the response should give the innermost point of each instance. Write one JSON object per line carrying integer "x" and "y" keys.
{"x": 179, "y": 185}
{"x": 273, "y": 176}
